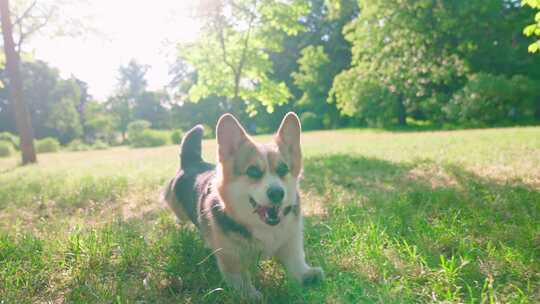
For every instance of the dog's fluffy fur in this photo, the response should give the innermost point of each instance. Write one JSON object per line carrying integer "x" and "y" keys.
{"x": 239, "y": 217}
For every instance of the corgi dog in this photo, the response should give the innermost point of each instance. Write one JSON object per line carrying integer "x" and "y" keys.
{"x": 247, "y": 206}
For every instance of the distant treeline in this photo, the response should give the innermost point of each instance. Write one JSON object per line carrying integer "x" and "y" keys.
{"x": 338, "y": 63}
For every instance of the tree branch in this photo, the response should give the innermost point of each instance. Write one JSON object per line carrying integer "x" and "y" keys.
{"x": 25, "y": 14}
{"x": 219, "y": 28}
{"x": 38, "y": 23}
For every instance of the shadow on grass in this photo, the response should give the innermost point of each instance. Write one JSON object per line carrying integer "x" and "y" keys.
{"x": 390, "y": 233}
{"x": 423, "y": 232}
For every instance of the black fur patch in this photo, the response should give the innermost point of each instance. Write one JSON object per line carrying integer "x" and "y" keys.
{"x": 226, "y": 223}
{"x": 294, "y": 208}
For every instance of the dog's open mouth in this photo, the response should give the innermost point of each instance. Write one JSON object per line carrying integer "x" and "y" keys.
{"x": 269, "y": 215}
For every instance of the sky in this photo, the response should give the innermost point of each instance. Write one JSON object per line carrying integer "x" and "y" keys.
{"x": 138, "y": 29}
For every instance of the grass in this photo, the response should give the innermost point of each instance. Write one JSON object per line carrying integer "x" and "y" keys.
{"x": 450, "y": 216}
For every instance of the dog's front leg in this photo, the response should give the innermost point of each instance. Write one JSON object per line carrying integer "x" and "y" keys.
{"x": 292, "y": 256}
{"x": 237, "y": 275}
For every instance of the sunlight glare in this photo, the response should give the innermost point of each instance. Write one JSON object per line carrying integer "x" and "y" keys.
{"x": 144, "y": 30}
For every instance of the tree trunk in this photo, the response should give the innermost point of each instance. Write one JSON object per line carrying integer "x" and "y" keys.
{"x": 401, "y": 111}
{"x": 22, "y": 116}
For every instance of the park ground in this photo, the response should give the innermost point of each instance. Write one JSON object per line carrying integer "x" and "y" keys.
{"x": 392, "y": 217}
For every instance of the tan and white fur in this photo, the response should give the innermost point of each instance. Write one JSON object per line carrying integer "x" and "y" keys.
{"x": 247, "y": 207}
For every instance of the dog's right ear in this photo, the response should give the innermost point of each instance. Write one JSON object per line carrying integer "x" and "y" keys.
{"x": 230, "y": 136}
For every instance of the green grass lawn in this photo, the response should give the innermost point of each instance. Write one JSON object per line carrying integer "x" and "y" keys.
{"x": 391, "y": 217}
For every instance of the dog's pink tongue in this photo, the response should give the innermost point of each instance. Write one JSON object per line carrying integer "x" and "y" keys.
{"x": 261, "y": 211}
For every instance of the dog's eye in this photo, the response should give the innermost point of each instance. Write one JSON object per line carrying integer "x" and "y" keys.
{"x": 282, "y": 170}
{"x": 254, "y": 172}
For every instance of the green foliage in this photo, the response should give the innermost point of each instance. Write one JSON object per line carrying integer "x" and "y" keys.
{"x": 99, "y": 124}
{"x": 176, "y": 136}
{"x": 310, "y": 121}
{"x": 533, "y": 29}
{"x": 149, "y": 106}
{"x": 209, "y": 132}
{"x": 100, "y": 145}
{"x": 53, "y": 102}
{"x": 421, "y": 52}
{"x": 309, "y": 62}
{"x": 140, "y": 135}
{"x": 132, "y": 80}
{"x": 132, "y": 101}
{"x": 47, "y": 145}
{"x": 150, "y": 138}
{"x": 313, "y": 72}
{"x": 11, "y": 138}
{"x": 232, "y": 54}
{"x": 136, "y": 128}
{"x": 374, "y": 63}
{"x": 369, "y": 101}
{"x": 393, "y": 47}
{"x": 64, "y": 118}
{"x": 6, "y": 148}
{"x": 494, "y": 99}
{"x": 120, "y": 107}
{"x": 77, "y": 145}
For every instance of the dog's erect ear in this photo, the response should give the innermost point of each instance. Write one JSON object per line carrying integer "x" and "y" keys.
{"x": 288, "y": 140}
{"x": 230, "y": 136}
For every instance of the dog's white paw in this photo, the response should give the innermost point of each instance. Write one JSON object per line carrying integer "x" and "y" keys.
{"x": 314, "y": 275}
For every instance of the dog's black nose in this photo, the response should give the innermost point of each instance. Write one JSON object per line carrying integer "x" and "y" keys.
{"x": 275, "y": 194}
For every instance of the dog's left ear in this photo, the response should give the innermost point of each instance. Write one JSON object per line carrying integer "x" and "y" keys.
{"x": 288, "y": 141}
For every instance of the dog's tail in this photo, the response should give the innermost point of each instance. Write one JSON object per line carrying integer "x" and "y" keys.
{"x": 190, "y": 151}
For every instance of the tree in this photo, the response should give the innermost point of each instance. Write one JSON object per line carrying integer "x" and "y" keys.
{"x": 120, "y": 106}
{"x": 313, "y": 63}
{"x": 131, "y": 85}
{"x": 84, "y": 99}
{"x": 64, "y": 119}
{"x": 323, "y": 31}
{"x": 232, "y": 55}
{"x": 132, "y": 80}
{"x": 533, "y": 29}
{"x": 422, "y": 51}
{"x": 184, "y": 114}
{"x": 99, "y": 123}
{"x": 394, "y": 46}
{"x": 22, "y": 116}
{"x": 149, "y": 106}
{"x": 30, "y": 16}
{"x": 489, "y": 100}
{"x": 53, "y": 102}
{"x": 314, "y": 80}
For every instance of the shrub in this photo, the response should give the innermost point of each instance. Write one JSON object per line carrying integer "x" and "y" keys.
{"x": 136, "y": 128}
{"x": 114, "y": 141}
{"x": 150, "y": 138}
{"x": 100, "y": 145}
{"x": 47, "y": 145}
{"x": 77, "y": 145}
{"x": 6, "y": 148}
{"x": 10, "y": 138}
{"x": 176, "y": 136}
{"x": 489, "y": 99}
{"x": 365, "y": 101}
{"x": 310, "y": 121}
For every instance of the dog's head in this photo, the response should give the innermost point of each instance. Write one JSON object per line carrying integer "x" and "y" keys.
{"x": 258, "y": 182}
